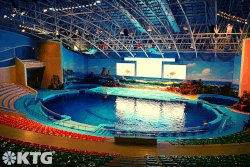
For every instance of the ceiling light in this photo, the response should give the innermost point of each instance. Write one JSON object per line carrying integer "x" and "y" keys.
{"x": 75, "y": 48}
{"x": 23, "y": 30}
{"x": 185, "y": 28}
{"x": 149, "y": 29}
{"x": 98, "y": 1}
{"x": 45, "y": 10}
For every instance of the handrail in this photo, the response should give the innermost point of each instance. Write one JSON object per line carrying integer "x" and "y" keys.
{"x": 7, "y": 59}
{"x": 50, "y": 111}
{"x": 32, "y": 90}
{"x": 10, "y": 48}
{"x": 73, "y": 125}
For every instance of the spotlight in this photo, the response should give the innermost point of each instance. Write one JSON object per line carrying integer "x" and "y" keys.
{"x": 23, "y": 30}
{"x": 149, "y": 29}
{"x": 75, "y": 48}
{"x": 45, "y": 10}
{"x": 98, "y": 1}
{"x": 185, "y": 28}
{"x": 5, "y": 16}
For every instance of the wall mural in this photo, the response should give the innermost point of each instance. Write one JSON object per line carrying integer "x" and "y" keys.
{"x": 237, "y": 66}
{"x": 207, "y": 71}
{"x": 74, "y": 66}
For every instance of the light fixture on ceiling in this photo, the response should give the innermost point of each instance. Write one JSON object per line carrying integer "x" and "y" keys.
{"x": 76, "y": 48}
{"x": 149, "y": 29}
{"x": 98, "y": 1}
{"x": 122, "y": 32}
{"x": 229, "y": 28}
{"x": 232, "y": 17}
{"x": 185, "y": 28}
{"x": 23, "y": 30}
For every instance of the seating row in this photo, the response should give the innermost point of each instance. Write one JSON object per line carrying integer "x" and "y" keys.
{"x": 240, "y": 137}
{"x": 30, "y": 125}
{"x": 60, "y": 156}
{"x": 241, "y": 160}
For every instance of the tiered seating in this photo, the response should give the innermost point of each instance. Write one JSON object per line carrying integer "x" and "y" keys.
{"x": 206, "y": 161}
{"x": 240, "y": 137}
{"x": 61, "y": 157}
{"x": 10, "y": 92}
{"x": 30, "y": 125}
{"x": 127, "y": 161}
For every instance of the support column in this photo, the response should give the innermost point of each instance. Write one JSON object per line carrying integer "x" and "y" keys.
{"x": 50, "y": 52}
{"x": 245, "y": 67}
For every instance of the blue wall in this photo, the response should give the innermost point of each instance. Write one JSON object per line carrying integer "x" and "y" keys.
{"x": 75, "y": 66}
{"x": 14, "y": 44}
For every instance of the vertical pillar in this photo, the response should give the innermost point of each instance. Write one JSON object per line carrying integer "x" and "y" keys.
{"x": 50, "y": 52}
{"x": 245, "y": 67}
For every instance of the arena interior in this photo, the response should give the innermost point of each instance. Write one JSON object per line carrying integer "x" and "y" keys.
{"x": 125, "y": 83}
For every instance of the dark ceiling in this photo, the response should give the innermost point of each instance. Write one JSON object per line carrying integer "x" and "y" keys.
{"x": 149, "y": 26}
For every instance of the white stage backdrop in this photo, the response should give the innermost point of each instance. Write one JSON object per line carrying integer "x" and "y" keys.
{"x": 125, "y": 69}
{"x": 174, "y": 71}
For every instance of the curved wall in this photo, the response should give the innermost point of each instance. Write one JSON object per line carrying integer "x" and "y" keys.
{"x": 13, "y": 45}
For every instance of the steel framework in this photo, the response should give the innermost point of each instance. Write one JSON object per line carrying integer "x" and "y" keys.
{"x": 156, "y": 26}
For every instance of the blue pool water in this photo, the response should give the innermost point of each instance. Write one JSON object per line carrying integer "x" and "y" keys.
{"x": 127, "y": 113}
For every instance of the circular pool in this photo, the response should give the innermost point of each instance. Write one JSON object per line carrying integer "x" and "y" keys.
{"x": 133, "y": 114}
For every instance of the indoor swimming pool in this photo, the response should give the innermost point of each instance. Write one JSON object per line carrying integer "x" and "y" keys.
{"x": 133, "y": 114}
{"x": 135, "y": 111}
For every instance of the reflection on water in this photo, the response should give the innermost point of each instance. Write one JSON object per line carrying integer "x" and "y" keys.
{"x": 149, "y": 115}
{"x": 127, "y": 113}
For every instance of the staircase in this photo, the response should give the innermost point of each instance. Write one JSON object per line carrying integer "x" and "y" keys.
{"x": 105, "y": 130}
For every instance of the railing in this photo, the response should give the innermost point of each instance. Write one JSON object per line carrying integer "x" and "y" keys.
{"x": 158, "y": 133}
{"x": 40, "y": 116}
{"x": 136, "y": 135}
{"x": 77, "y": 126}
{"x": 50, "y": 111}
{"x": 32, "y": 90}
